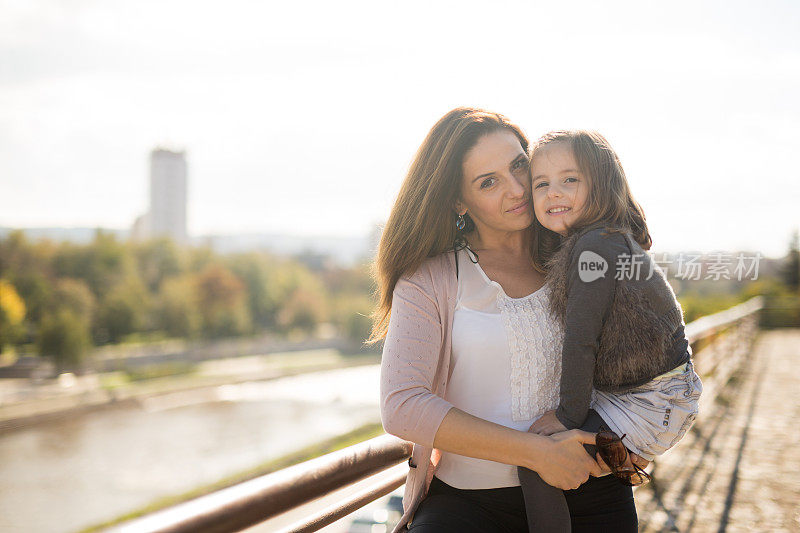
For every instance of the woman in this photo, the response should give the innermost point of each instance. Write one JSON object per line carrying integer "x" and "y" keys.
{"x": 460, "y": 375}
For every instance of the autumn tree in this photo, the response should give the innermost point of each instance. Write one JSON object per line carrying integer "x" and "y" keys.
{"x": 12, "y": 313}
{"x": 221, "y": 302}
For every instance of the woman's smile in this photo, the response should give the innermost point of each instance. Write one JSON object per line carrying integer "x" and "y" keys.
{"x": 520, "y": 208}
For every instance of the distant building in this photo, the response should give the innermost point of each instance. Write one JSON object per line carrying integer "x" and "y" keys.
{"x": 167, "y": 213}
{"x": 168, "y": 194}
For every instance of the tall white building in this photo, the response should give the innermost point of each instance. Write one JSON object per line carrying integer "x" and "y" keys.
{"x": 167, "y": 215}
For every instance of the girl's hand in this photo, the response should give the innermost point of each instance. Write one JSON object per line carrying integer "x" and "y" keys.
{"x": 638, "y": 460}
{"x": 566, "y": 465}
{"x": 632, "y": 458}
{"x": 547, "y": 425}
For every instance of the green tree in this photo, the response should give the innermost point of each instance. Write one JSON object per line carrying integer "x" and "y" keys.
{"x": 124, "y": 310}
{"x": 358, "y": 326}
{"x": 200, "y": 258}
{"x": 28, "y": 267}
{"x": 351, "y": 314}
{"x": 15, "y": 253}
{"x": 356, "y": 280}
{"x": 304, "y": 301}
{"x": 262, "y": 282}
{"x": 36, "y": 290}
{"x": 103, "y": 264}
{"x": 178, "y": 307}
{"x": 791, "y": 269}
{"x": 75, "y": 296}
{"x": 157, "y": 260}
{"x": 64, "y": 337}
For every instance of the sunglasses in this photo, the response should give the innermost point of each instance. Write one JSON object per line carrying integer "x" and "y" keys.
{"x": 615, "y": 454}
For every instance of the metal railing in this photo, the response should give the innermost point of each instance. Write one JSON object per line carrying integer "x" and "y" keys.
{"x": 723, "y": 341}
{"x": 724, "y": 338}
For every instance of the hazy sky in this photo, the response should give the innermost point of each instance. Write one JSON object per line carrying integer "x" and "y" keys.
{"x": 302, "y": 117}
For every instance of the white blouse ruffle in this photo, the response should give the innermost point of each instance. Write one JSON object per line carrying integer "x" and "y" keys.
{"x": 505, "y": 367}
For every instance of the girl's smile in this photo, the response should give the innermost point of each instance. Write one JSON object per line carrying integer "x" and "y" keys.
{"x": 558, "y": 210}
{"x": 559, "y": 188}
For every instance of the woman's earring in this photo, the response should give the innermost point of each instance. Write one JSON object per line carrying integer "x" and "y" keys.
{"x": 460, "y": 222}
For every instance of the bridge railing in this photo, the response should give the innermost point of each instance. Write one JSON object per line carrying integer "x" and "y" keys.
{"x": 723, "y": 340}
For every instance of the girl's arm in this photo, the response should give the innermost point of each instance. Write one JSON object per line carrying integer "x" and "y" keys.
{"x": 589, "y": 297}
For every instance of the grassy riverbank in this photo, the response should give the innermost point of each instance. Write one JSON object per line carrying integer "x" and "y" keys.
{"x": 123, "y": 388}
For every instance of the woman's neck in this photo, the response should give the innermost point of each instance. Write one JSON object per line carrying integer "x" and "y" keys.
{"x": 507, "y": 242}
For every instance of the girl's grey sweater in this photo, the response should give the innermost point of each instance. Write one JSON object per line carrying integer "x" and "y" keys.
{"x": 622, "y": 323}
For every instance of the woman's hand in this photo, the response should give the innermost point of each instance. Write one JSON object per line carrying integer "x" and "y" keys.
{"x": 604, "y": 468}
{"x": 547, "y": 424}
{"x": 566, "y": 465}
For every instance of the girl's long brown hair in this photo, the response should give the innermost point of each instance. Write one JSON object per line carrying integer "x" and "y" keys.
{"x": 422, "y": 221}
{"x": 609, "y": 202}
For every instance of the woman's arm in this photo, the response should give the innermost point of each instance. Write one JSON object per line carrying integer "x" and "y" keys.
{"x": 411, "y": 411}
{"x": 560, "y": 460}
{"x": 409, "y": 408}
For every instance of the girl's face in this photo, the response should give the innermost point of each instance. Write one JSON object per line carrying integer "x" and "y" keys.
{"x": 559, "y": 188}
{"x": 495, "y": 187}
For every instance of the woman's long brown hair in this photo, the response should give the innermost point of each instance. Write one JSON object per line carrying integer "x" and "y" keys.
{"x": 609, "y": 201}
{"x": 422, "y": 221}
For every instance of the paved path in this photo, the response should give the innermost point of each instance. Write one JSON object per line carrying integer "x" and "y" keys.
{"x": 739, "y": 468}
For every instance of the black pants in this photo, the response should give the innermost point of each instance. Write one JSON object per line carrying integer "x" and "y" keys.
{"x": 600, "y": 505}
{"x": 447, "y": 509}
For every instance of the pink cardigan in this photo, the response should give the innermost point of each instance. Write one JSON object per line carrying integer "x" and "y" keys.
{"x": 415, "y": 368}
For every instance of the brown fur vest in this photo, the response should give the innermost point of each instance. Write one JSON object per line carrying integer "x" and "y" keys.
{"x": 636, "y": 340}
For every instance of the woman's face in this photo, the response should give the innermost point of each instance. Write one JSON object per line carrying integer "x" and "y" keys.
{"x": 495, "y": 188}
{"x": 560, "y": 189}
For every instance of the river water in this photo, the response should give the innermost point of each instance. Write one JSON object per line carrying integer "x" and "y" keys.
{"x": 70, "y": 475}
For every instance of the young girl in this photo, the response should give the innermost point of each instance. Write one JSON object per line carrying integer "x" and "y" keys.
{"x": 626, "y": 362}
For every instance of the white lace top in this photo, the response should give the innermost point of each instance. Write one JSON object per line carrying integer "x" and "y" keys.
{"x": 505, "y": 367}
